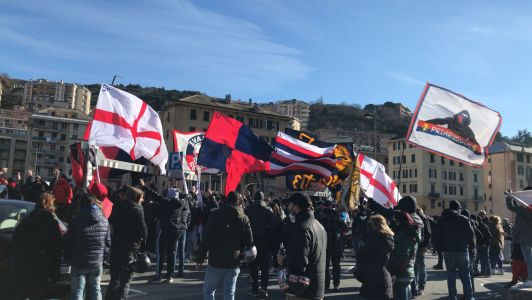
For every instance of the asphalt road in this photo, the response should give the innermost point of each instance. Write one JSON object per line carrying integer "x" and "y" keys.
{"x": 190, "y": 287}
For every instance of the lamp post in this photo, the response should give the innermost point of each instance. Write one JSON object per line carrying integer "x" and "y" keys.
{"x": 373, "y": 116}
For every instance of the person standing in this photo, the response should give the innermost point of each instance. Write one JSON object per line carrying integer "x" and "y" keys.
{"x": 522, "y": 232}
{"x": 373, "y": 258}
{"x": 262, "y": 221}
{"x": 129, "y": 230}
{"x": 496, "y": 245}
{"x": 63, "y": 195}
{"x": 170, "y": 209}
{"x": 483, "y": 246}
{"x": 227, "y": 233}
{"x": 37, "y": 250}
{"x": 420, "y": 273}
{"x": 85, "y": 245}
{"x": 456, "y": 236}
{"x": 333, "y": 225}
{"x": 307, "y": 249}
{"x": 507, "y": 251}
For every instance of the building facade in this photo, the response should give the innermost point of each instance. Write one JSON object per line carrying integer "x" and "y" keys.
{"x": 509, "y": 167}
{"x": 293, "y": 108}
{"x": 363, "y": 141}
{"x": 194, "y": 113}
{"x": 14, "y": 140}
{"x": 41, "y": 94}
{"x": 434, "y": 180}
{"x": 53, "y": 130}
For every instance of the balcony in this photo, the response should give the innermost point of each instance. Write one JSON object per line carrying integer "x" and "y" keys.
{"x": 434, "y": 195}
{"x": 45, "y": 139}
{"x": 46, "y": 162}
{"x": 47, "y": 128}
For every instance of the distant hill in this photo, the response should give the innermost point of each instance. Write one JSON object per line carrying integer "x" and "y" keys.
{"x": 154, "y": 96}
{"x": 351, "y": 117}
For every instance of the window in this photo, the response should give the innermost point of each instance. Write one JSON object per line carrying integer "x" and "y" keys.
{"x": 444, "y": 173}
{"x": 193, "y": 115}
{"x": 413, "y": 158}
{"x": 432, "y": 188}
{"x": 61, "y": 159}
{"x": 451, "y": 162}
{"x": 461, "y": 191}
{"x": 192, "y": 128}
{"x": 54, "y": 136}
{"x": 74, "y": 136}
{"x": 206, "y": 116}
{"x": 75, "y": 126}
{"x": 439, "y": 203}
{"x": 404, "y": 188}
{"x": 443, "y": 160}
{"x": 63, "y": 125}
{"x": 398, "y": 145}
{"x": 393, "y": 176}
{"x": 460, "y": 164}
{"x": 394, "y": 147}
{"x": 62, "y": 148}
{"x": 475, "y": 193}
{"x": 461, "y": 176}
{"x": 52, "y": 147}
{"x": 410, "y": 173}
{"x": 405, "y": 173}
{"x": 528, "y": 159}
{"x": 444, "y": 189}
{"x": 63, "y": 137}
{"x": 430, "y": 173}
{"x": 239, "y": 118}
{"x": 432, "y": 158}
{"x": 404, "y": 159}
{"x": 415, "y": 173}
{"x": 475, "y": 177}
{"x": 520, "y": 170}
{"x": 520, "y": 157}
{"x": 394, "y": 159}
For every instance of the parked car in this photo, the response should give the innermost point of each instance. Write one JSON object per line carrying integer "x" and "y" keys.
{"x": 12, "y": 212}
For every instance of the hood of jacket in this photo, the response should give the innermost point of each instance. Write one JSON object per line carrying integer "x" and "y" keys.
{"x": 90, "y": 214}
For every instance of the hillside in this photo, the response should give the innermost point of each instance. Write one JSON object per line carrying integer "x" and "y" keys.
{"x": 351, "y": 117}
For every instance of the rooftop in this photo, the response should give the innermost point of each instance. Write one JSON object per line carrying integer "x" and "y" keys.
{"x": 500, "y": 147}
{"x": 227, "y": 103}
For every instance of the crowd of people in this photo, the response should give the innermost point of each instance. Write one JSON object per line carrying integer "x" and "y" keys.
{"x": 298, "y": 236}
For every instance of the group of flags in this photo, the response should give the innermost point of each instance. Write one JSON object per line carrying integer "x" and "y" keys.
{"x": 446, "y": 123}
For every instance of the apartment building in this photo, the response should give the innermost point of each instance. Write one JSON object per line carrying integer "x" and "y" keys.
{"x": 40, "y": 94}
{"x": 14, "y": 139}
{"x": 509, "y": 167}
{"x": 434, "y": 180}
{"x": 293, "y": 108}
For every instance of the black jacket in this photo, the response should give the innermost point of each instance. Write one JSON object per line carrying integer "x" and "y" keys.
{"x": 227, "y": 233}
{"x": 484, "y": 238}
{"x": 173, "y": 212}
{"x": 455, "y": 232}
{"x": 262, "y": 222}
{"x": 129, "y": 228}
{"x": 371, "y": 261}
{"x": 307, "y": 252}
{"x": 87, "y": 238}
{"x": 33, "y": 189}
{"x": 333, "y": 224}
{"x": 37, "y": 250}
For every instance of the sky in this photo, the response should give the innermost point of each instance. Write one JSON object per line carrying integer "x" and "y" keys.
{"x": 354, "y": 52}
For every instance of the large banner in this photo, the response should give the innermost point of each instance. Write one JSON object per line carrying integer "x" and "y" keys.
{"x": 450, "y": 125}
{"x": 189, "y": 144}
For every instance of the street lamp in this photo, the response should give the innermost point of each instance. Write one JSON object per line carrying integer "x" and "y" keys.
{"x": 373, "y": 116}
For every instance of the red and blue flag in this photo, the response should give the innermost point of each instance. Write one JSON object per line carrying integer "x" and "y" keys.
{"x": 232, "y": 147}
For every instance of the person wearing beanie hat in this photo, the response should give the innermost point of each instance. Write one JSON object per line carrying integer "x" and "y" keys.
{"x": 262, "y": 222}
{"x": 456, "y": 236}
{"x": 306, "y": 252}
{"x": 129, "y": 230}
{"x": 171, "y": 209}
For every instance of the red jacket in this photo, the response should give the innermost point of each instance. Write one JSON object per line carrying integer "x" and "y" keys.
{"x": 63, "y": 192}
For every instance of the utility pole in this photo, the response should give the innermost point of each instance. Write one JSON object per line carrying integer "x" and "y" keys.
{"x": 114, "y": 78}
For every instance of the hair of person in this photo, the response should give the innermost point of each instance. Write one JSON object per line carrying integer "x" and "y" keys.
{"x": 232, "y": 198}
{"x": 276, "y": 209}
{"x": 377, "y": 223}
{"x": 134, "y": 194}
{"x": 420, "y": 211}
{"x": 47, "y": 202}
{"x": 303, "y": 201}
{"x": 87, "y": 199}
{"x": 496, "y": 220}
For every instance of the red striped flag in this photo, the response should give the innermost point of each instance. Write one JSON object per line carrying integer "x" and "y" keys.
{"x": 292, "y": 154}
{"x": 376, "y": 183}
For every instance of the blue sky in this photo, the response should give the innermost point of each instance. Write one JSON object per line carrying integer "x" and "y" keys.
{"x": 344, "y": 51}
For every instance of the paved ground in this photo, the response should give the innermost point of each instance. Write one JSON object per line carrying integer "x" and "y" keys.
{"x": 190, "y": 287}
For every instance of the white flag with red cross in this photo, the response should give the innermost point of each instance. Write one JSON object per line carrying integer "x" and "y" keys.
{"x": 124, "y": 121}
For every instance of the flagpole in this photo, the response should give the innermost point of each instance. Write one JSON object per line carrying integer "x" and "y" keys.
{"x": 222, "y": 182}
{"x": 86, "y": 173}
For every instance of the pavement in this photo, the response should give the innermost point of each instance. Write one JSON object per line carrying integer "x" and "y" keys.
{"x": 190, "y": 287}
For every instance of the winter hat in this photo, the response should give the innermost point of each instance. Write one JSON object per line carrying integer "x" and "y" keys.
{"x": 172, "y": 193}
{"x": 455, "y": 205}
{"x": 407, "y": 204}
{"x": 133, "y": 194}
{"x": 302, "y": 200}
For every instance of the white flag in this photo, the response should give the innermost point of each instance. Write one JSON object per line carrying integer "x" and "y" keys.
{"x": 376, "y": 183}
{"x": 123, "y": 120}
{"x": 453, "y": 126}
{"x": 189, "y": 144}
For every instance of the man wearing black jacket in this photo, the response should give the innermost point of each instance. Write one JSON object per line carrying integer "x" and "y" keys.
{"x": 420, "y": 273}
{"x": 262, "y": 221}
{"x": 333, "y": 224}
{"x": 306, "y": 253}
{"x": 227, "y": 233}
{"x": 129, "y": 229}
{"x": 170, "y": 209}
{"x": 456, "y": 236}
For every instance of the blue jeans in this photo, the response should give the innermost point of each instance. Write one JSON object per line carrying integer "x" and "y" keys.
{"x": 402, "y": 289}
{"x": 458, "y": 261}
{"x": 92, "y": 277}
{"x": 213, "y": 276}
{"x": 188, "y": 245}
{"x": 181, "y": 242}
{"x": 527, "y": 255}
